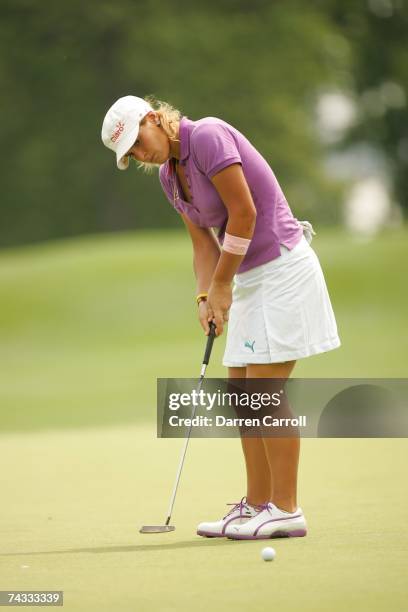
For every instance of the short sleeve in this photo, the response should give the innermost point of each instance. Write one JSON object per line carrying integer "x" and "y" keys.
{"x": 166, "y": 183}
{"x": 214, "y": 148}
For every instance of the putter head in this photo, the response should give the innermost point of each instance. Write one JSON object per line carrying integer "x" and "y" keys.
{"x": 156, "y": 528}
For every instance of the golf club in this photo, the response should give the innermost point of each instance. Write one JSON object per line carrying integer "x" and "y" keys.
{"x": 167, "y": 527}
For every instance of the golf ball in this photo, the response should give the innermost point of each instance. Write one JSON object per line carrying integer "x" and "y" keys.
{"x": 268, "y": 554}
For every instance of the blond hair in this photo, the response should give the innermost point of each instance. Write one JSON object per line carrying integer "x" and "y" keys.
{"x": 169, "y": 119}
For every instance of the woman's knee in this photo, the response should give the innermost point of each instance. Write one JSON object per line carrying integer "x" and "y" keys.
{"x": 237, "y": 372}
{"x": 271, "y": 370}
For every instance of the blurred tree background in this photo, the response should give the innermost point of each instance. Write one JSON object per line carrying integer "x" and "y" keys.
{"x": 262, "y": 66}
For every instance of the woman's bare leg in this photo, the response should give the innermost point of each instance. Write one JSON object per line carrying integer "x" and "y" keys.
{"x": 259, "y": 477}
{"x": 282, "y": 453}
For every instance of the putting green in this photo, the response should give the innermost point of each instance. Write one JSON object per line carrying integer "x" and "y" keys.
{"x": 73, "y": 501}
{"x": 86, "y": 326}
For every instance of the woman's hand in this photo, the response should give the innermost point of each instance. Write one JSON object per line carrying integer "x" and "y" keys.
{"x": 218, "y": 304}
{"x": 203, "y": 316}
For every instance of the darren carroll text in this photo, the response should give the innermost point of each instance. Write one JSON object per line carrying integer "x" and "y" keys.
{"x": 222, "y": 421}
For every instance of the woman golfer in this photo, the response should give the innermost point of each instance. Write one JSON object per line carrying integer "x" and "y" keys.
{"x": 260, "y": 272}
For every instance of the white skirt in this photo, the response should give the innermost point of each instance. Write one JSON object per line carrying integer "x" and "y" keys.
{"x": 281, "y": 311}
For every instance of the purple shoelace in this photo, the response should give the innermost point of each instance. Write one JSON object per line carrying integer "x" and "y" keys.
{"x": 243, "y": 503}
{"x": 266, "y": 506}
{"x": 237, "y": 505}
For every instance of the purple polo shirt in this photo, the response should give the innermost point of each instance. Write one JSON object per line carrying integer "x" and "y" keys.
{"x": 206, "y": 147}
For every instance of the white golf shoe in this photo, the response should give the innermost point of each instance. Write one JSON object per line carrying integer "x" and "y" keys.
{"x": 238, "y": 515}
{"x": 270, "y": 522}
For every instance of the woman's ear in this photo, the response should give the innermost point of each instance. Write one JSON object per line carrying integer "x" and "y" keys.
{"x": 153, "y": 117}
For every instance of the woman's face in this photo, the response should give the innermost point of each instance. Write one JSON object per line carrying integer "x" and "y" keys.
{"x": 152, "y": 145}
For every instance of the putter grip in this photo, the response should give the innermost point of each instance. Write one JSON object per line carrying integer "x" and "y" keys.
{"x": 210, "y": 342}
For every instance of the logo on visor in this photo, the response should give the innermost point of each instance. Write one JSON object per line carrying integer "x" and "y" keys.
{"x": 119, "y": 127}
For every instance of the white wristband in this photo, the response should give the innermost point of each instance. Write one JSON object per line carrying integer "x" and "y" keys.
{"x": 236, "y": 244}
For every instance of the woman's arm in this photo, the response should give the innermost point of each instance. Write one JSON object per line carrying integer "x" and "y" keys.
{"x": 215, "y": 270}
{"x": 234, "y": 192}
{"x": 206, "y": 253}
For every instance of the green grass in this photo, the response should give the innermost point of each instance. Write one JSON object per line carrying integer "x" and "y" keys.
{"x": 87, "y": 325}
{"x": 73, "y": 502}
